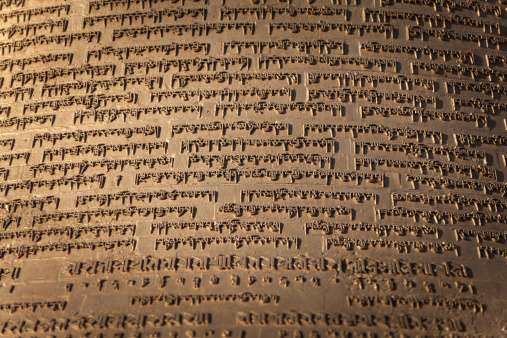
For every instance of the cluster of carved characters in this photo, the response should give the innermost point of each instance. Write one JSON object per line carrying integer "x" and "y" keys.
{"x": 497, "y": 237}
{"x": 222, "y": 161}
{"x": 65, "y": 39}
{"x": 437, "y": 216}
{"x": 195, "y": 145}
{"x": 69, "y": 232}
{"x": 486, "y": 106}
{"x": 418, "y": 32}
{"x": 489, "y": 252}
{"x": 172, "y": 243}
{"x": 124, "y": 70}
{"x": 34, "y": 249}
{"x": 125, "y": 196}
{"x": 224, "y": 94}
{"x": 124, "y": 53}
{"x": 102, "y": 149}
{"x": 113, "y": 114}
{"x": 31, "y": 29}
{"x": 195, "y": 299}
{"x": 343, "y": 267}
{"x": 364, "y": 63}
{"x": 249, "y": 126}
{"x": 449, "y": 183}
{"x": 471, "y": 140}
{"x": 188, "y": 64}
{"x": 90, "y": 101}
{"x": 400, "y": 246}
{"x": 423, "y": 114}
{"x": 17, "y": 93}
{"x": 433, "y": 19}
{"x": 390, "y": 132}
{"x": 291, "y": 318}
{"x": 349, "y": 95}
{"x": 112, "y": 322}
{"x": 34, "y": 306}
{"x": 472, "y": 72}
{"x": 155, "y": 15}
{"x": 195, "y": 319}
{"x": 232, "y": 13}
{"x": 233, "y": 175}
{"x": 197, "y": 29}
{"x": 12, "y": 205}
{"x": 5, "y": 222}
{"x": 328, "y": 228}
{"x": 348, "y": 28}
{"x": 15, "y": 156}
{"x": 393, "y": 301}
{"x": 478, "y": 7}
{"x": 27, "y": 120}
{"x": 422, "y": 150}
{"x": 290, "y": 210}
{"x": 83, "y": 135}
{"x": 27, "y": 14}
{"x": 493, "y": 204}
{"x": 344, "y": 79}
{"x": 75, "y": 181}
{"x": 88, "y": 215}
{"x": 223, "y": 77}
{"x": 91, "y": 86}
{"x": 42, "y": 58}
{"x": 116, "y": 164}
{"x": 322, "y": 46}
{"x": 418, "y": 52}
{"x": 486, "y": 88}
{"x": 281, "y": 194}
{"x": 279, "y": 107}
{"x": 231, "y": 225}
{"x": 443, "y": 168}
{"x": 51, "y": 73}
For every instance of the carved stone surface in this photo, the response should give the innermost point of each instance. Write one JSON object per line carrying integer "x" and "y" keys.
{"x": 253, "y": 168}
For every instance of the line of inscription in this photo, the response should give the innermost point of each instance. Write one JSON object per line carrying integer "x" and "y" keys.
{"x": 88, "y": 215}
{"x": 327, "y": 228}
{"x": 239, "y": 160}
{"x": 233, "y": 175}
{"x": 63, "y": 167}
{"x": 267, "y": 263}
{"x": 231, "y": 225}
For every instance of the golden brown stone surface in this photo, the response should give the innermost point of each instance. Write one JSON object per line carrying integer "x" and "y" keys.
{"x": 253, "y": 168}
